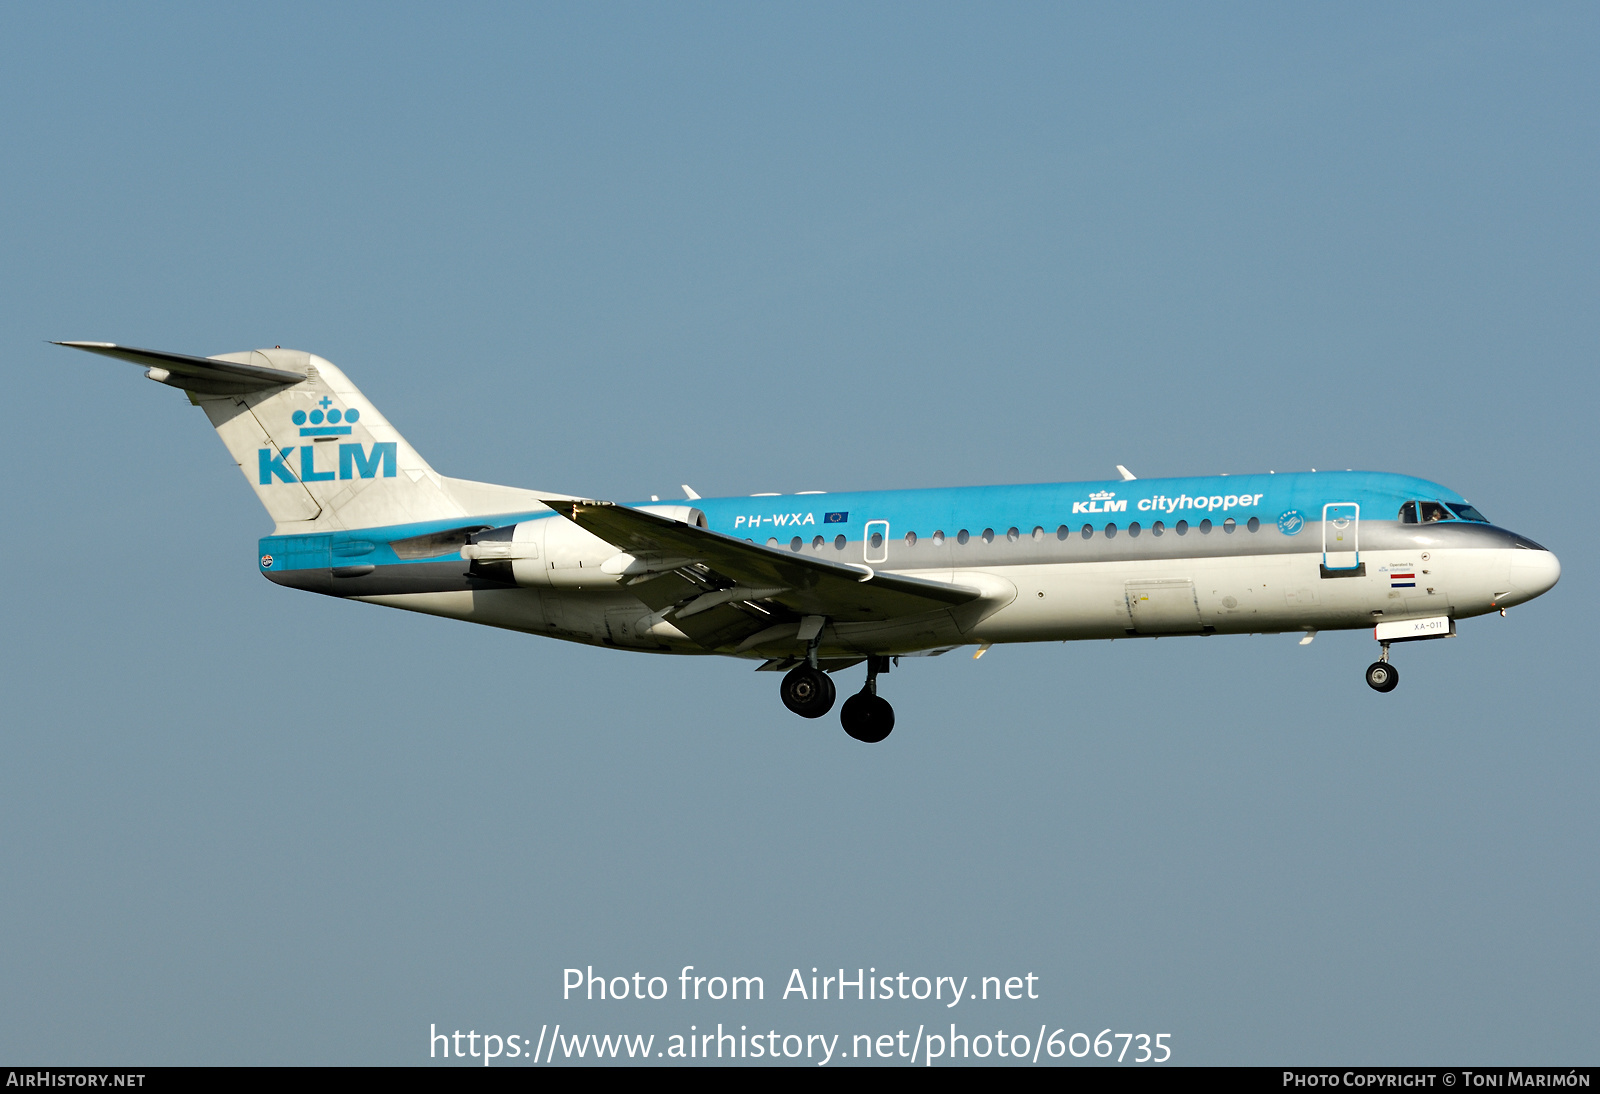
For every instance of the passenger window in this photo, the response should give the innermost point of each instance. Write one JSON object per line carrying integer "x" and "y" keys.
{"x": 1133, "y": 529}
{"x": 1228, "y": 526}
{"x": 911, "y": 539}
{"x": 839, "y": 542}
{"x": 1038, "y": 532}
{"x": 1205, "y": 527}
{"x": 1467, "y": 512}
{"x": 816, "y": 544}
{"x": 1013, "y": 535}
{"x": 1182, "y": 527}
{"x": 1111, "y": 531}
{"x": 772, "y": 541}
{"x": 796, "y": 543}
{"x": 988, "y": 535}
{"x": 1088, "y": 531}
{"x": 962, "y": 537}
{"x": 876, "y": 540}
{"x": 1255, "y": 524}
{"x": 1408, "y": 513}
{"x": 938, "y": 538}
{"x": 1433, "y": 511}
{"x": 1157, "y": 528}
{"x": 1063, "y": 532}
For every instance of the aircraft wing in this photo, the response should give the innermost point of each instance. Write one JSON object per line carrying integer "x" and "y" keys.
{"x": 750, "y": 571}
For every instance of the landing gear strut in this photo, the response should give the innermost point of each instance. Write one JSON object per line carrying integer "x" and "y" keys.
{"x": 865, "y": 715}
{"x": 807, "y": 690}
{"x": 1382, "y": 676}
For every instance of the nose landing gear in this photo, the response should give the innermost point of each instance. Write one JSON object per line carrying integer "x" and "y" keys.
{"x": 866, "y": 715}
{"x": 1382, "y": 676}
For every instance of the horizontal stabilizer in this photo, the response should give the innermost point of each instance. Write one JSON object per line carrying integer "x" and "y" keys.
{"x": 205, "y": 375}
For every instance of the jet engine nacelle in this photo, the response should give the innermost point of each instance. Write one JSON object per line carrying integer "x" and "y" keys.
{"x": 683, "y": 514}
{"x": 554, "y": 553}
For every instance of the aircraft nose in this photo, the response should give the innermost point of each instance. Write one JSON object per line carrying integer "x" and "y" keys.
{"x": 1534, "y": 573}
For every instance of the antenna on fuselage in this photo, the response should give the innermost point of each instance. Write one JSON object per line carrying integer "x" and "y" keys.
{"x": 1127, "y": 476}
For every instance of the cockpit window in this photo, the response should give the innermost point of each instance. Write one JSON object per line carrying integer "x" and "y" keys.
{"x": 1427, "y": 512}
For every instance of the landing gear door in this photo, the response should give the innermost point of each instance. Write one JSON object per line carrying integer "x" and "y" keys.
{"x": 1341, "y": 523}
{"x": 876, "y": 545}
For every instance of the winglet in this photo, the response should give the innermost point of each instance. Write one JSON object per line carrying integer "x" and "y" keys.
{"x": 688, "y": 492}
{"x": 1127, "y": 476}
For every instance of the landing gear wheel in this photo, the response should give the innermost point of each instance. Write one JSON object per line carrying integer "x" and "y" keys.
{"x": 867, "y": 717}
{"x": 1382, "y": 676}
{"x": 808, "y": 692}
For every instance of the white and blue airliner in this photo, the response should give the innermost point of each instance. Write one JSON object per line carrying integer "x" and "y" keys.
{"x": 814, "y": 583}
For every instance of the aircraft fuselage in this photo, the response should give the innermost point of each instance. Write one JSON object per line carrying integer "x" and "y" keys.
{"x": 1055, "y": 562}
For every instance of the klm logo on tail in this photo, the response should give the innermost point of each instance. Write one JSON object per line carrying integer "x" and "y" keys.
{"x": 327, "y": 420}
{"x": 332, "y": 416}
{"x": 354, "y": 461}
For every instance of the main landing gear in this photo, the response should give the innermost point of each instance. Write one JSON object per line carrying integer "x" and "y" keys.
{"x": 866, "y": 716}
{"x": 808, "y": 691}
{"x": 1382, "y": 676}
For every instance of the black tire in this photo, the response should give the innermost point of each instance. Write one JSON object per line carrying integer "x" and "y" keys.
{"x": 867, "y": 718}
{"x": 808, "y": 692}
{"x": 1382, "y": 676}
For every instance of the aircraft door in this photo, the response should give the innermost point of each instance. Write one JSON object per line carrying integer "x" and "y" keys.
{"x": 1341, "y": 548}
{"x": 1163, "y": 606}
{"x": 875, "y": 545}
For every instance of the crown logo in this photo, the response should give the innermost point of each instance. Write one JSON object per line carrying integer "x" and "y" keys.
{"x": 326, "y": 412}
{"x": 1102, "y": 495}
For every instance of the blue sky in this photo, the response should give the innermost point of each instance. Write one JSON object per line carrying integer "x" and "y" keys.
{"x": 607, "y": 250}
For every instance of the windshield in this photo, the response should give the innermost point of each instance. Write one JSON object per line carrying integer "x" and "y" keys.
{"x": 1427, "y": 512}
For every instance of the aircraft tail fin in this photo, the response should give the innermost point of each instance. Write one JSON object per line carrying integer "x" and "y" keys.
{"x": 314, "y": 449}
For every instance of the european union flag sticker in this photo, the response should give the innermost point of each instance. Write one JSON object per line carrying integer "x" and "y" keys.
{"x": 836, "y": 518}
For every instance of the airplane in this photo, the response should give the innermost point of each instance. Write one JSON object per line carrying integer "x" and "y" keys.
{"x": 813, "y": 583}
